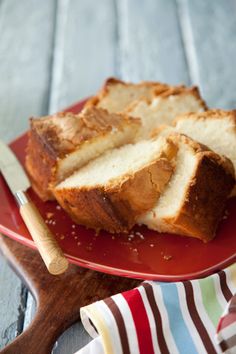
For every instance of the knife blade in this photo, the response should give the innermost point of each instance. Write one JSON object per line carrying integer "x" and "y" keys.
{"x": 12, "y": 170}
{"x": 18, "y": 183}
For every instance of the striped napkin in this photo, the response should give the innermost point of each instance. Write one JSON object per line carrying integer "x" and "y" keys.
{"x": 197, "y": 316}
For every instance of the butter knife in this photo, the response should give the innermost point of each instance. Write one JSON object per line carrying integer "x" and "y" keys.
{"x": 44, "y": 240}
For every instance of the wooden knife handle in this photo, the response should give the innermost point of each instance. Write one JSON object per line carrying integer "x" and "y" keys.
{"x": 47, "y": 246}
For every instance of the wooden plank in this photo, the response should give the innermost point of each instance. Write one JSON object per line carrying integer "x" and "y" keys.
{"x": 25, "y": 61}
{"x": 209, "y": 30}
{"x": 12, "y": 304}
{"x": 29, "y": 311}
{"x": 72, "y": 340}
{"x": 150, "y": 43}
{"x": 84, "y": 50}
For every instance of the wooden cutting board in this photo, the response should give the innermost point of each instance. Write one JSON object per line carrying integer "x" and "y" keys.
{"x": 58, "y": 298}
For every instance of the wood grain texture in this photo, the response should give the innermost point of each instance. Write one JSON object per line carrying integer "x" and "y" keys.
{"x": 73, "y": 339}
{"x": 29, "y": 311}
{"x": 44, "y": 240}
{"x": 84, "y": 53}
{"x": 25, "y": 61}
{"x": 150, "y": 43}
{"x": 12, "y": 304}
{"x": 209, "y": 29}
{"x": 58, "y": 298}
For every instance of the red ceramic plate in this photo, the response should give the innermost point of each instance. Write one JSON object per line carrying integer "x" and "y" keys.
{"x": 143, "y": 254}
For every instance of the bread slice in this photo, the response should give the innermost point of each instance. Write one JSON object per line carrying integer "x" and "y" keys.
{"x": 193, "y": 201}
{"x": 111, "y": 191}
{"x": 117, "y": 95}
{"x": 164, "y": 107}
{"x": 214, "y": 128}
{"x": 60, "y": 144}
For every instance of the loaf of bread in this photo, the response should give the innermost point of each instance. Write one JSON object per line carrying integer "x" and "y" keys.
{"x": 164, "y": 106}
{"x": 214, "y": 128}
{"x": 62, "y": 143}
{"x": 194, "y": 199}
{"x": 125, "y": 159}
{"x": 113, "y": 190}
{"x": 117, "y": 95}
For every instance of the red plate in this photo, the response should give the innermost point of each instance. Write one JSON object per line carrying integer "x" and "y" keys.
{"x": 145, "y": 254}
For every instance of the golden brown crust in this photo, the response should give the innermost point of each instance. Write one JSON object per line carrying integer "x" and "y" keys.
{"x": 95, "y": 100}
{"x": 158, "y": 89}
{"x": 40, "y": 166}
{"x": 62, "y": 133}
{"x": 179, "y": 90}
{"x": 114, "y": 81}
{"x": 214, "y": 114}
{"x": 162, "y": 129}
{"x": 210, "y": 114}
{"x": 52, "y": 138}
{"x": 115, "y": 208}
{"x": 197, "y": 147}
{"x": 207, "y": 193}
{"x": 171, "y": 91}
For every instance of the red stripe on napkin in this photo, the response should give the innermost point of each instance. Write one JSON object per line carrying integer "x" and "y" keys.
{"x": 226, "y": 321}
{"x": 136, "y": 305}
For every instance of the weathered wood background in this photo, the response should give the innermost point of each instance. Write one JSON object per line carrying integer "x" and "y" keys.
{"x": 53, "y": 53}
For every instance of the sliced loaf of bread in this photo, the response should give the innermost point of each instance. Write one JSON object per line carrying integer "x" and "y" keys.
{"x": 164, "y": 106}
{"x": 214, "y": 128}
{"x": 62, "y": 143}
{"x": 111, "y": 191}
{"x": 194, "y": 199}
{"x": 117, "y": 95}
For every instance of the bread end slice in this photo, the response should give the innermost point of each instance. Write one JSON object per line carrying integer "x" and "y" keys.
{"x": 193, "y": 202}
{"x": 111, "y": 191}
{"x": 214, "y": 128}
{"x": 60, "y": 144}
{"x": 117, "y": 95}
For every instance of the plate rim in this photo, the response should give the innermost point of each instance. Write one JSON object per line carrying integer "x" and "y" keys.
{"x": 122, "y": 272}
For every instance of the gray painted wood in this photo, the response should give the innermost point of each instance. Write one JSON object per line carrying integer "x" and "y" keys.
{"x": 12, "y": 304}
{"x": 29, "y": 311}
{"x": 84, "y": 53}
{"x": 25, "y": 66}
{"x": 72, "y": 340}
{"x": 56, "y": 53}
{"x": 209, "y": 29}
{"x": 150, "y": 44}
{"x": 25, "y": 58}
